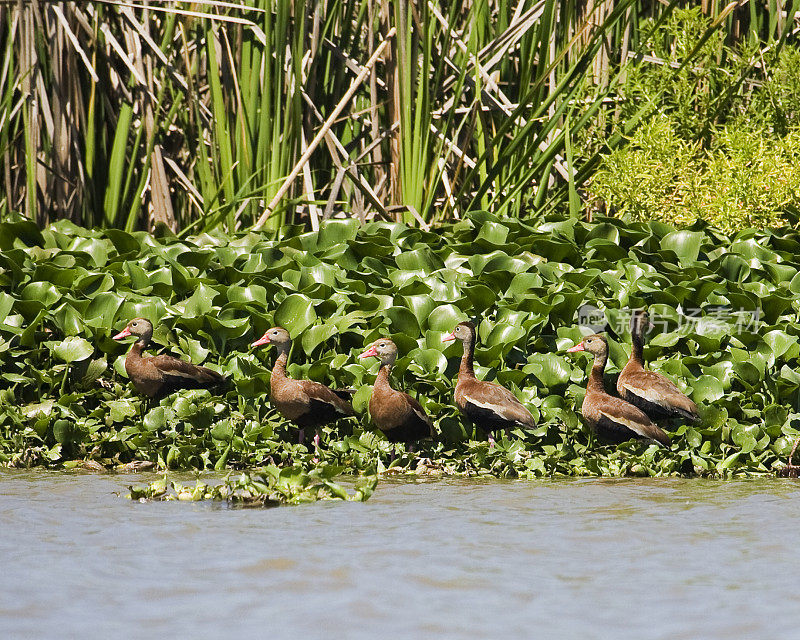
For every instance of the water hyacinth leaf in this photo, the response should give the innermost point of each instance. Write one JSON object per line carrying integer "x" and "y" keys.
{"x": 605, "y": 231}
{"x": 481, "y": 297}
{"x": 421, "y": 306}
{"x": 401, "y": 320}
{"x": 157, "y": 418}
{"x": 685, "y": 244}
{"x": 200, "y": 302}
{"x": 551, "y": 369}
{"x": 95, "y": 369}
{"x": 252, "y": 293}
{"x": 295, "y": 314}
{"x": 504, "y": 334}
{"x": 493, "y": 232}
{"x": 316, "y": 335}
{"x": 68, "y": 320}
{"x": 72, "y": 349}
{"x": 429, "y": 360}
{"x": 782, "y": 344}
{"x": 44, "y": 293}
{"x": 120, "y": 410}
{"x": 707, "y": 389}
{"x": 119, "y": 366}
{"x": 422, "y": 259}
{"x": 65, "y": 431}
{"x": 445, "y": 317}
{"x": 744, "y": 437}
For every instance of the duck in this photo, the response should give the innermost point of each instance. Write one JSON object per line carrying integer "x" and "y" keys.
{"x": 400, "y": 417}
{"x": 306, "y": 403}
{"x": 159, "y": 376}
{"x": 653, "y": 393}
{"x": 612, "y": 418}
{"x": 486, "y": 404}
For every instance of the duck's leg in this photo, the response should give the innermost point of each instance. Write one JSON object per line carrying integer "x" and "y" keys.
{"x": 315, "y": 459}
{"x": 301, "y": 435}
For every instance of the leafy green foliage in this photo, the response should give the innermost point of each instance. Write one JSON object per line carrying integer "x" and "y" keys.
{"x": 744, "y": 180}
{"x": 269, "y": 487}
{"x": 723, "y": 143}
{"x": 343, "y": 286}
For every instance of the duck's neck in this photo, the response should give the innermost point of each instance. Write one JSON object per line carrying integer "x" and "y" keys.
{"x": 637, "y": 338}
{"x": 466, "y": 369}
{"x": 382, "y": 381}
{"x": 279, "y": 369}
{"x": 596, "y": 376}
{"x": 138, "y": 349}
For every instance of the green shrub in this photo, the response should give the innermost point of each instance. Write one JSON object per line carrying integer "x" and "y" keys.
{"x": 744, "y": 180}
{"x": 721, "y": 144}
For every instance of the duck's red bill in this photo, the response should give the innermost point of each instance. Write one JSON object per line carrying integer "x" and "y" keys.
{"x": 369, "y": 353}
{"x": 262, "y": 340}
{"x": 577, "y": 347}
{"x": 123, "y": 334}
{"x": 449, "y": 337}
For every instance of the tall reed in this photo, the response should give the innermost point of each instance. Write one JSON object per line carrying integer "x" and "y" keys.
{"x": 192, "y": 116}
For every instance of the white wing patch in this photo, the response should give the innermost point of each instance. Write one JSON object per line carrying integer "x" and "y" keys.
{"x": 636, "y": 427}
{"x": 421, "y": 415}
{"x": 498, "y": 409}
{"x": 648, "y": 394}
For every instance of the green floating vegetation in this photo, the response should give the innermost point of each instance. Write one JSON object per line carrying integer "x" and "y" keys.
{"x": 267, "y": 487}
{"x": 726, "y": 308}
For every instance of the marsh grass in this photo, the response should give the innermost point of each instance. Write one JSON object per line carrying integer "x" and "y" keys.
{"x": 191, "y": 117}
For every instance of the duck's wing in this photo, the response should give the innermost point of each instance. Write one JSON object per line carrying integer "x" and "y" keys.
{"x": 625, "y": 414}
{"x": 656, "y": 389}
{"x": 416, "y": 407}
{"x": 186, "y": 374}
{"x": 496, "y": 399}
{"x": 325, "y": 398}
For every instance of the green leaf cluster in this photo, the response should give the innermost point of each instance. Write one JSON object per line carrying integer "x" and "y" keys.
{"x": 722, "y": 141}
{"x": 267, "y": 487}
{"x": 65, "y": 290}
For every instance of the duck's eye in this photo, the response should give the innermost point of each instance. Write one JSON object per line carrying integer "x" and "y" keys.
{"x": 382, "y": 344}
{"x": 133, "y": 324}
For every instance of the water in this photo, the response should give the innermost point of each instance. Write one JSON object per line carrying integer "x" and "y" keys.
{"x": 452, "y": 558}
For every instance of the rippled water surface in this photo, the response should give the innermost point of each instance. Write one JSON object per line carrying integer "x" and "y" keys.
{"x": 451, "y": 558}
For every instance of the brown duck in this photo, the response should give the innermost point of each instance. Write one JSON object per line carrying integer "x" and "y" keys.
{"x": 653, "y": 393}
{"x": 159, "y": 376}
{"x": 399, "y": 416}
{"x": 487, "y": 404}
{"x": 304, "y": 402}
{"x": 612, "y": 418}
